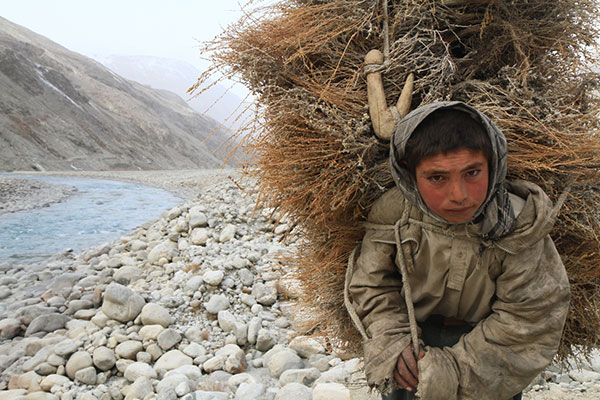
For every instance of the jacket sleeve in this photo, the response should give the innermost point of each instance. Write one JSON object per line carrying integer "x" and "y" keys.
{"x": 506, "y": 350}
{"x": 375, "y": 287}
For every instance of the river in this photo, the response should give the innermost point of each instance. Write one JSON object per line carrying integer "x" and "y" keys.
{"x": 99, "y": 212}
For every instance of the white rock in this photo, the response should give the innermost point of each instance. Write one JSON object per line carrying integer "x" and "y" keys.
{"x": 241, "y": 333}
{"x": 254, "y": 326}
{"x": 305, "y": 376}
{"x": 129, "y": 349}
{"x": 203, "y": 395}
{"x": 100, "y": 319}
{"x": 166, "y": 249}
{"x": 79, "y": 360}
{"x": 226, "y": 320}
{"x": 247, "y": 299}
{"x": 139, "y": 389}
{"x": 264, "y": 340}
{"x": 29, "y": 380}
{"x": 199, "y": 236}
{"x": 227, "y": 233}
{"x": 168, "y": 338}
{"x": 194, "y": 350}
{"x": 192, "y": 372}
{"x": 121, "y": 303}
{"x": 250, "y": 391}
{"x": 155, "y": 314}
{"x": 213, "y": 278}
{"x": 256, "y": 309}
{"x": 39, "y": 357}
{"x": 170, "y": 382}
{"x": 56, "y": 360}
{"x": 173, "y": 359}
{"x": 282, "y": 361}
{"x": 265, "y": 294}
{"x": 281, "y": 229}
{"x": 341, "y": 373}
{"x": 138, "y": 369}
{"x": 584, "y": 375}
{"x": 193, "y": 284}
{"x": 127, "y": 274}
{"x": 215, "y": 363}
{"x": 295, "y": 391}
{"x": 217, "y": 303}
{"x": 197, "y": 217}
{"x": 236, "y": 380}
{"x": 9, "y": 328}
{"x": 236, "y": 362}
{"x": 246, "y": 277}
{"x": 47, "y": 323}
{"x": 182, "y": 389}
{"x": 181, "y": 226}
{"x": 330, "y": 391}
{"x": 183, "y": 244}
{"x": 137, "y": 245}
{"x": 14, "y": 394}
{"x": 174, "y": 212}
{"x": 150, "y": 332}
{"x": 86, "y": 376}
{"x": 40, "y": 396}
{"x": 306, "y": 346}
{"x": 53, "y": 380}
{"x": 194, "y": 334}
{"x": 595, "y": 361}
{"x": 104, "y": 358}
{"x": 239, "y": 262}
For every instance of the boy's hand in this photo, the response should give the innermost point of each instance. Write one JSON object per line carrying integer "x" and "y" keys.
{"x": 406, "y": 372}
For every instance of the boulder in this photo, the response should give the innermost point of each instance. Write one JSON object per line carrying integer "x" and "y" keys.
{"x": 121, "y": 303}
{"x": 47, "y": 323}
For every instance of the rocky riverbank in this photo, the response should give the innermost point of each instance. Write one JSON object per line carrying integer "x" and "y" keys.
{"x": 194, "y": 305}
{"x": 26, "y": 194}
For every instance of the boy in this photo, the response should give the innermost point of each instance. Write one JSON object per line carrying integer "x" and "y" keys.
{"x": 463, "y": 254}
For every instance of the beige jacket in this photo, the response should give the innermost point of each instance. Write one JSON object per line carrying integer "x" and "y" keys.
{"x": 514, "y": 290}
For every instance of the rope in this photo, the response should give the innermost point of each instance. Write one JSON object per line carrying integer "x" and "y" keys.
{"x": 386, "y": 34}
{"x": 370, "y": 68}
{"x": 353, "y": 315}
{"x": 414, "y": 334}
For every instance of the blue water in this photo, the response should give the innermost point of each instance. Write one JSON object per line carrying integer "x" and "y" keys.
{"x": 99, "y": 212}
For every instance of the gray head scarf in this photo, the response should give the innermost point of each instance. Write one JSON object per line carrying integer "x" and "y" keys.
{"x": 498, "y": 215}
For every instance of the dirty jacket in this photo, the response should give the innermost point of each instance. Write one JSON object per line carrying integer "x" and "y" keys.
{"x": 512, "y": 287}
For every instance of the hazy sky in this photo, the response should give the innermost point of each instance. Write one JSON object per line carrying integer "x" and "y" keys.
{"x": 126, "y": 27}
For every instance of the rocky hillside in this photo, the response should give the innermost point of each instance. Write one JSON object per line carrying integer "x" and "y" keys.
{"x": 60, "y": 110}
{"x": 177, "y": 76}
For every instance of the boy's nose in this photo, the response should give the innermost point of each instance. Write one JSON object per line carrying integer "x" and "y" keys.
{"x": 458, "y": 192}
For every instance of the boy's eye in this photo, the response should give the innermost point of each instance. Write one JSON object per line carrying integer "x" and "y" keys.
{"x": 474, "y": 172}
{"x": 436, "y": 178}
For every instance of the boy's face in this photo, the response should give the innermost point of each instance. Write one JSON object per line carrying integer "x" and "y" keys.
{"x": 453, "y": 185}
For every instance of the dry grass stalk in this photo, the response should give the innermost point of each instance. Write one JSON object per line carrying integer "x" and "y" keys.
{"x": 524, "y": 63}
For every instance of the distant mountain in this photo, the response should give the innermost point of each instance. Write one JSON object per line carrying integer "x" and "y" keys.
{"x": 60, "y": 110}
{"x": 178, "y": 76}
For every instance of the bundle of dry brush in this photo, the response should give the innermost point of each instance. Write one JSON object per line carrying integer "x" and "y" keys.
{"x": 528, "y": 64}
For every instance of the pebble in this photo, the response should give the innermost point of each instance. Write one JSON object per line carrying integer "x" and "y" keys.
{"x": 155, "y": 314}
{"x": 183, "y": 307}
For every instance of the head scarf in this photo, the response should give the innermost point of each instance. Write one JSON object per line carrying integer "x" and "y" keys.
{"x": 497, "y": 212}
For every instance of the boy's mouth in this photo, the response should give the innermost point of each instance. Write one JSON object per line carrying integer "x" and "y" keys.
{"x": 459, "y": 215}
{"x": 459, "y": 210}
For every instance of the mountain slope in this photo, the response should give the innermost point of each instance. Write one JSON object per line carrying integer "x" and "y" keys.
{"x": 60, "y": 110}
{"x": 177, "y": 76}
